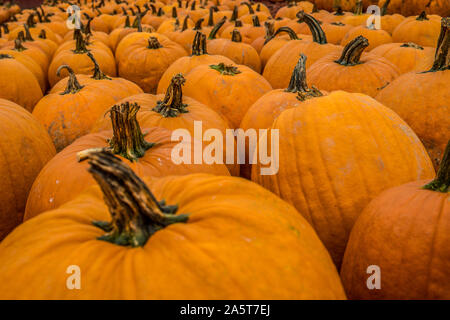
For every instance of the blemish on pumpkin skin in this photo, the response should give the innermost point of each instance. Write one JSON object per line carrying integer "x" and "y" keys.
{"x": 297, "y": 233}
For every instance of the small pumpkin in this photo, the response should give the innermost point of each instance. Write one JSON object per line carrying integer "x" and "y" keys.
{"x": 228, "y": 89}
{"x": 353, "y": 70}
{"x": 146, "y": 60}
{"x": 185, "y": 64}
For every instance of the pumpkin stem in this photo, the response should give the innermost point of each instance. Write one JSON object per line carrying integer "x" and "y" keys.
{"x": 270, "y": 31}
{"x": 411, "y": 45}
{"x": 442, "y": 56}
{"x": 234, "y": 15}
{"x": 135, "y": 213}
{"x": 422, "y": 16}
{"x": 30, "y": 21}
{"x": 289, "y": 31}
{"x": 98, "y": 74}
{"x": 211, "y": 17}
{"x": 314, "y": 26}
{"x": 229, "y": 70}
{"x": 5, "y": 56}
{"x": 137, "y": 23}
{"x": 442, "y": 181}
{"x": 385, "y": 7}
{"x": 339, "y": 12}
{"x": 298, "y": 83}
{"x": 353, "y": 51}
{"x": 18, "y": 46}
{"x": 28, "y": 36}
{"x": 174, "y": 12}
{"x": 236, "y": 36}
{"x": 172, "y": 105}
{"x": 199, "y": 44}
{"x": 185, "y": 23}
{"x": 213, "y": 32}
{"x": 358, "y": 8}
{"x": 198, "y": 24}
{"x": 128, "y": 139}
{"x": 153, "y": 43}
{"x": 73, "y": 86}
{"x": 250, "y": 8}
{"x": 238, "y": 23}
{"x": 255, "y": 21}
{"x": 5, "y": 28}
{"x": 42, "y": 34}
{"x": 80, "y": 43}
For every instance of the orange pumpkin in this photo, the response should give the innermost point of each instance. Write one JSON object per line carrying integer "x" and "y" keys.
{"x": 422, "y": 30}
{"x": 185, "y": 64}
{"x": 353, "y": 70}
{"x": 26, "y": 147}
{"x": 405, "y": 231}
{"x": 243, "y": 232}
{"x": 151, "y": 156}
{"x": 376, "y": 37}
{"x": 237, "y": 51}
{"x": 145, "y": 60}
{"x": 280, "y": 65}
{"x": 421, "y": 99}
{"x": 228, "y": 89}
{"x": 18, "y": 83}
{"x": 406, "y": 56}
{"x": 336, "y": 153}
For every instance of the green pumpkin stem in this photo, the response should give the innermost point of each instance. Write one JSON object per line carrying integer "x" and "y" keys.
{"x": 422, "y": 16}
{"x": 213, "y": 32}
{"x": 28, "y": 36}
{"x": 128, "y": 140}
{"x": 442, "y": 181}
{"x": 385, "y": 7}
{"x": 358, "y": 8}
{"x": 135, "y": 213}
{"x": 199, "y": 44}
{"x": 153, "y": 43}
{"x": 228, "y": 70}
{"x": 172, "y": 104}
{"x": 352, "y": 52}
{"x": 314, "y": 26}
{"x": 73, "y": 86}
{"x": 80, "y": 42}
{"x": 98, "y": 73}
{"x": 291, "y": 33}
{"x": 298, "y": 84}
{"x": 442, "y": 56}
{"x": 270, "y": 31}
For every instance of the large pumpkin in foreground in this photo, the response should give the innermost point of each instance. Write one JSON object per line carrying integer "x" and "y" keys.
{"x": 336, "y": 153}
{"x": 25, "y": 147}
{"x": 406, "y": 233}
{"x": 206, "y": 240}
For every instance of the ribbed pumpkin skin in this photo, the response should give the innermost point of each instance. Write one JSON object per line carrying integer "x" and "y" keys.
{"x": 18, "y": 84}
{"x": 376, "y": 37}
{"x": 424, "y": 33}
{"x": 197, "y": 111}
{"x": 229, "y": 95}
{"x": 406, "y": 58}
{"x": 369, "y": 77}
{"x": 404, "y": 231}
{"x": 185, "y": 64}
{"x": 25, "y": 147}
{"x": 422, "y": 100}
{"x": 224, "y": 251}
{"x": 54, "y": 186}
{"x": 336, "y": 153}
{"x": 280, "y": 65}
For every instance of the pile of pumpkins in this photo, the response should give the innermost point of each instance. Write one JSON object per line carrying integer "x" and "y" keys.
{"x": 92, "y": 91}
